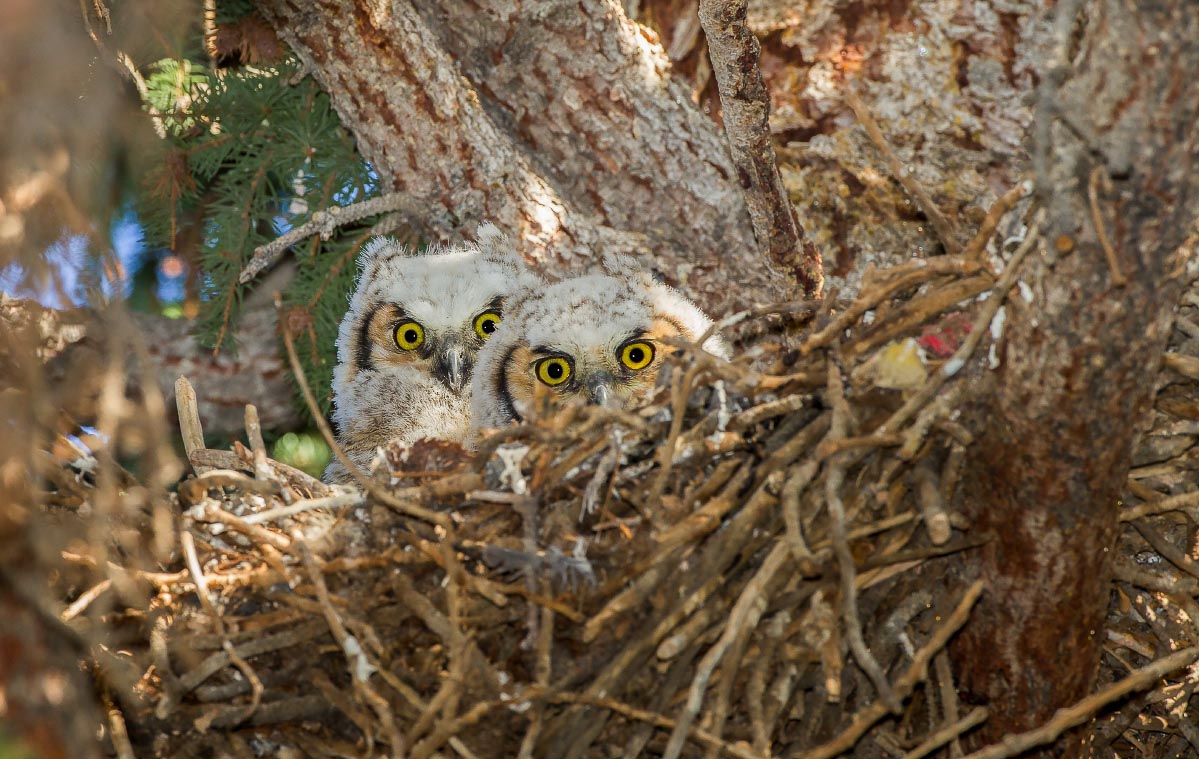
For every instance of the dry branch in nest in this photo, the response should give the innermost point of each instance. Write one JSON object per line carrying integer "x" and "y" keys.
{"x": 732, "y": 570}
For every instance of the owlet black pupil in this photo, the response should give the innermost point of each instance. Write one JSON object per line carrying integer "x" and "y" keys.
{"x": 410, "y": 336}
{"x": 554, "y": 370}
{"x": 636, "y": 355}
{"x": 489, "y": 326}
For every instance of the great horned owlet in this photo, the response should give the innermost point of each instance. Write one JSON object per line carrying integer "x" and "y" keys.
{"x": 597, "y": 336}
{"x": 407, "y": 345}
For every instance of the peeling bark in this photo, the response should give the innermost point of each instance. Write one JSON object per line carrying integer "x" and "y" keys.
{"x": 565, "y": 131}
{"x": 1054, "y": 445}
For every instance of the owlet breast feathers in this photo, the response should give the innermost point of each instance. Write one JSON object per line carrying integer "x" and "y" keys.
{"x": 456, "y": 340}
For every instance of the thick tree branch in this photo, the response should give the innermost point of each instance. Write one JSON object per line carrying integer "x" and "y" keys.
{"x": 746, "y": 109}
{"x": 590, "y": 98}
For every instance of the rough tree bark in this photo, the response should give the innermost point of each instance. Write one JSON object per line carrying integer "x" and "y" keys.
{"x": 1118, "y": 104}
{"x": 565, "y": 130}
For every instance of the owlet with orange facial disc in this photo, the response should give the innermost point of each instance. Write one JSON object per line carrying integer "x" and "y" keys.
{"x": 600, "y": 338}
{"x": 408, "y": 344}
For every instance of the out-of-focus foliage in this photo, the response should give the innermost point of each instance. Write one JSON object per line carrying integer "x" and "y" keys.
{"x": 73, "y": 131}
{"x": 12, "y": 749}
{"x": 249, "y": 151}
{"x": 303, "y": 450}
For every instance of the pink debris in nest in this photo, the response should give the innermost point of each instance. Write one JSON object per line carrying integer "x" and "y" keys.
{"x": 942, "y": 339}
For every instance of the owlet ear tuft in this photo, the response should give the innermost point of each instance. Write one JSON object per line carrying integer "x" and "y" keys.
{"x": 498, "y": 248}
{"x": 694, "y": 321}
{"x": 379, "y": 249}
{"x": 626, "y": 267}
{"x": 495, "y": 245}
{"x": 489, "y": 235}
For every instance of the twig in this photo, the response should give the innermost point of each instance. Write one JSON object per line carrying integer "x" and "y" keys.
{"x": 979, "y": 328}
{"x": 949, "y": 698}
{"x": 949, "y": 733}
{"x": 901, "y": 278}
{"x": 932, "y": 505}
{"x": 799, "y": 444}
{"x": 1068, "y": 717}
{"x": 118, "y": 731}
{"x": 745, "y": 102}
{"x": 916, "y": 671}
{"x": 211, "y": 512}
{"x": 944, "y": 228}
{"x": 681, "y": 383}
{"x": 275, "y": 712}
{"x": 706, "y": 518}
{"x": 420, "y": 605}
{"x": 1113, "y": 262}
{"x": 195, "y": 490}
{"x": 257, "y": 445}
{"x": 769, "y": 309}
{"x": 216, "y": 459}
{"x": 79, "y": 604}
{"x": 1006, "y": 202}
{"x": 328, "y": 502}
{"x": 942, "y": 407}
{"x": 745, "y": 615}
{"x": 690, "y": 631}
{"x": 763, "y": 411}
{"x": 1142, "y": 577}
{"x": 448, "y": 728}
{"x": 323, "y": 223}
{"x": 833, "y": 479}
{"x": 1165, "y": 548}
{"x": 712, "y": 563}
{"x": 1180, "y": 502}
{"x": 189, "y": 420}
{"x": 1187, "y": 366}
{"x": 359, "y": 664}
{"x": 193, "y": 566}
{"x": 542, "y": 672}
{"x": 702, "y": 736}
{"x": 789, "y": 497}
{"x": 831, "y": 447}
{"x": 917, "y": 311}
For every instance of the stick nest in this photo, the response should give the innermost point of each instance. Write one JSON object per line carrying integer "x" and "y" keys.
{"x": 741, "y": 568}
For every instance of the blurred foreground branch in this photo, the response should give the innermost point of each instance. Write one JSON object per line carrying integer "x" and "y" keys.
{"x": 72, "y": 340}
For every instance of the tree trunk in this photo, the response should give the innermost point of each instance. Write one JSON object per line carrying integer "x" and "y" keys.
{"x": 1119, "y": 101}
{"x": 564, "y": 129}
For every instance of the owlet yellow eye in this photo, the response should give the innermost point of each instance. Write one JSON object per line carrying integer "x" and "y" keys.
{"x": 410, "y": 336}
{"x": 485, "y": 324}
{"x": 553, "y": 371}
{"x": 637, "y": 355}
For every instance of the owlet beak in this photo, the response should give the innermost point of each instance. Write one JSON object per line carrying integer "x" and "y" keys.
{"x": 599, "y": 388}
{"x": 451, "y": 366}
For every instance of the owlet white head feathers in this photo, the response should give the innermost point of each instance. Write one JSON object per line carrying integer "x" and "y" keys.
{"x": 600, "y": 337}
